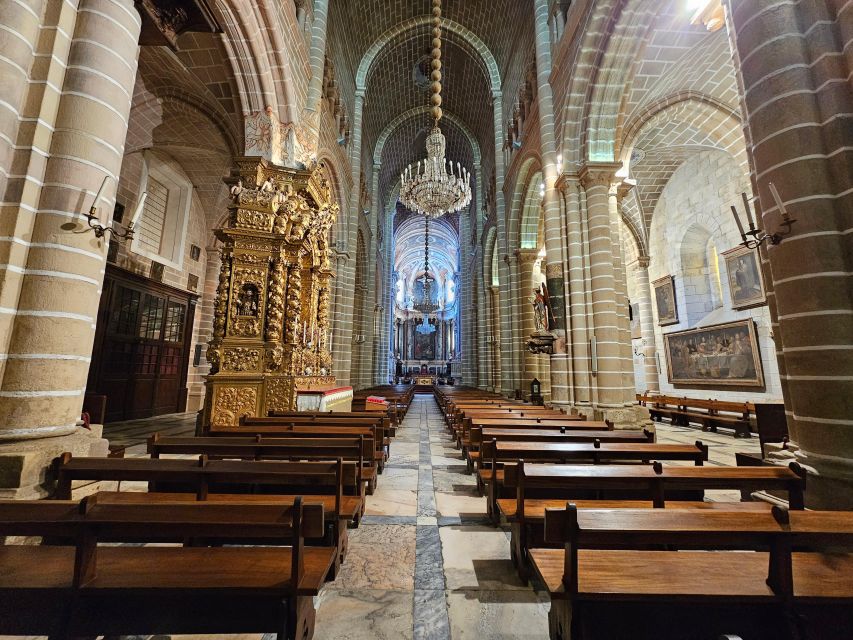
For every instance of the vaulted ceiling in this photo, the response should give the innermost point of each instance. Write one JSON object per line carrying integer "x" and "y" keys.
{"x": 395, "y": 87}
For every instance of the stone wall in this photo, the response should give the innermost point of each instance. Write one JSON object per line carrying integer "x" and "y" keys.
{"x": 694, "y": 209}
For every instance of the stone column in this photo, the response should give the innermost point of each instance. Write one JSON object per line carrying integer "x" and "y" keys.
{"x": 554, "y": 225}
{"x": 617, "y": 193}
{"x": 578, "y": 339}
{"x": 346, "y": 257}
{"x": 204, "y": 313}
{"x": 495, "y": 353}
{"x": 597, "y": 179}
{"x": 466, "y": 307}
{"x": 794, "y": 61}
{"x": 647, "y": 325}
{"x": 52, "y": 280}
{"x": 526, "y": 260}
{"x": 318, "y": 54}
{"x": 384, "y": 371}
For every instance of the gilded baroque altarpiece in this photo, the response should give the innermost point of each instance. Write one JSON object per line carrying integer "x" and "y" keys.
{"x": 271, "y": 314}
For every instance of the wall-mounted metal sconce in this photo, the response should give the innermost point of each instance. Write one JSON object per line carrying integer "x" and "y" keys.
{"x": 759, "y": 236}
{"x": 593, "y": 355}
{"x": 100, "y": 230}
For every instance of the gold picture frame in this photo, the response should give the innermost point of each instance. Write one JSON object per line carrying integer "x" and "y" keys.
{"x": 717, "y": 355}
{"x": 665, "y": 301}
{"x": 746, "y": 286}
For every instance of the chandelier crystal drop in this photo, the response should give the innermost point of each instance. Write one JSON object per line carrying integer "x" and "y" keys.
{"x": 434, "y": 187}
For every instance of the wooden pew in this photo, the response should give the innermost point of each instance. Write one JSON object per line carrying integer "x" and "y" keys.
{"x": 464, "y": 436}
{"x": 286, "y": 446}
{"x": 503, "y": 453}
{"x": 529, "y": 490}
{"x": 80, "y": 588}
{"x": 282, "y": 427}
{"x": 709, "y": 414}
{"x": 523, "y": 433}
{"x": 606, "y": 583}
{"x": 338, "y": 486}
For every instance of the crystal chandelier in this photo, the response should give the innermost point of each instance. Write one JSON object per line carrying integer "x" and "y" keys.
{"x": 426, "y": 306}
{"x": 432, "y": 187}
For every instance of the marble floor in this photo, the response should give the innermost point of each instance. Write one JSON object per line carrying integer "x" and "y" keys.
{"x": 425, "y": 563}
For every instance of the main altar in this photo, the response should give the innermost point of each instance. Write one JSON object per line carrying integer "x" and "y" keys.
{"x": 271, "y": 339}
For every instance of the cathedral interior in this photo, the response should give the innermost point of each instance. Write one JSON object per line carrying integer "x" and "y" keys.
{"x": 557, "y": 293}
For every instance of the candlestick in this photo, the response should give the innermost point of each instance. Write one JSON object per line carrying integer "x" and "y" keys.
{"x": 778, "y": 200}
{"x": 739, "y": 225}
{"x": 748, "y": 212}
{"x": 138, "y": 213}
{"x": 94, "y": 207}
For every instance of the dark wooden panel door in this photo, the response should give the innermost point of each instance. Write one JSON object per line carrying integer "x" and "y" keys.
{"x": 142, "y": 347}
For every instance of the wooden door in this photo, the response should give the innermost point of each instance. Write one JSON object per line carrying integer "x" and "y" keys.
{"x": 142, "y": 346}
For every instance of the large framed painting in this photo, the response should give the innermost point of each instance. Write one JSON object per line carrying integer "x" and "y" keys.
{"x": 424, "y": 346}
{"x": 665, "y": 300}
{"x": 718, "y": 355}
{"x": 745, "y": 284}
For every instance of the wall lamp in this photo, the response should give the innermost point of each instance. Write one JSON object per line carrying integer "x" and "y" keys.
{"x": 100, "y": 230}
{"x": 760, "y": 236}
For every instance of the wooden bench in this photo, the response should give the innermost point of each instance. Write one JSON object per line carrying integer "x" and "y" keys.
{"x": 531, "y": 489}
{"x": 464, "y": 436}
{"x": 78, "y": 588}
{"x": 709, "y": 414}
{"x": 770, "y": 576}
{"x": 502, "y": 455}
{"x": 337, "y": 484}
{"x": 545, "y": 434}
{"x": 293, "y": 446}
{"x": 377, "y": 428}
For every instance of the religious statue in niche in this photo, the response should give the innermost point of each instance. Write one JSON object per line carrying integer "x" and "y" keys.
{"x": 247, "y": 301}
{"x": 543, "y": 316}
{"x": 542, "y": 342}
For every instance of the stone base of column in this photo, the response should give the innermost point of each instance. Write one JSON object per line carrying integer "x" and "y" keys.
{"x": 830, "y": 481}
{"x": 25, "y": 464}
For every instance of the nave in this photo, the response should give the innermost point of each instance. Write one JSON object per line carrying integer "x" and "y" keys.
{"x": 425, "y": 561}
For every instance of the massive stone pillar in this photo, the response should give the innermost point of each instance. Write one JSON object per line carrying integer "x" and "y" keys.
{"x": 495, "y": 352}
{"x": 554, "y": 223}
{"x": 578, "y": 339}
{"x": 345, "y": 281}
{"x": 78, "y": 106}
{"x": 794, "y": 61}
{"x": 607, "y": 353}
{"x": 647, "y": 326}
{"x": 617, "y": 193}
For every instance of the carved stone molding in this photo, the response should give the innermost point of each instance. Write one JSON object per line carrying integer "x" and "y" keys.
{"x": 163, "y": 21}
{"x": 599, "y": 174}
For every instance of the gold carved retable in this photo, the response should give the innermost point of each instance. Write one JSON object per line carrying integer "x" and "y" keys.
{"x": 271, "y": 314}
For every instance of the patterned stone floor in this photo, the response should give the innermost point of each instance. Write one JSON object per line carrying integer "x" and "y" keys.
{"x": 425, "y": 563}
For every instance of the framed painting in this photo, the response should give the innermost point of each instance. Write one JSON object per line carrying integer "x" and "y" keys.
{"x": 665, "y": 300}
{"x": 745, "y": 283}
{"x": 718, "y": 355}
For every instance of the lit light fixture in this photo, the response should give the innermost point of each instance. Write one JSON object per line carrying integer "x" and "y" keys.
{"x": 434, "y": 187}
{"x": 707, "y": 12}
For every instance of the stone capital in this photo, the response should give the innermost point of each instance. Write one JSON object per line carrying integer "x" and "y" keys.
{"x": 566, "y": 180}
{"x": 526, "y": 256}
{"x": 643, "y": 262}
{"x": 599, "y": 174}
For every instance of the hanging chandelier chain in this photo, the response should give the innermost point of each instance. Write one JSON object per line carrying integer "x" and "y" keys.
{"x": 438, "y": 188}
